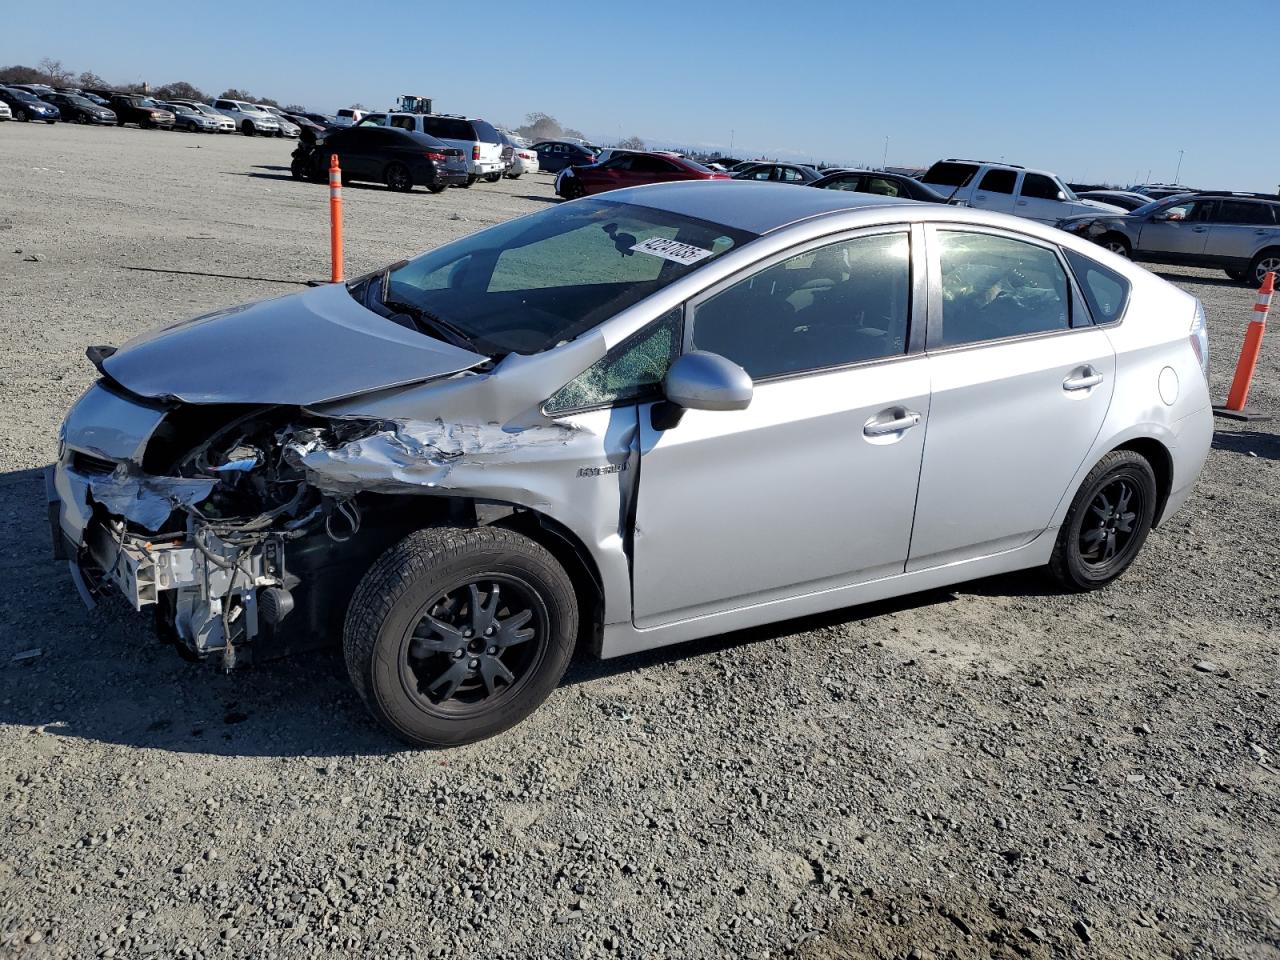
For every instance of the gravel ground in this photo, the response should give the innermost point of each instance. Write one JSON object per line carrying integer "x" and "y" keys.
{"x": 996, "y": 770}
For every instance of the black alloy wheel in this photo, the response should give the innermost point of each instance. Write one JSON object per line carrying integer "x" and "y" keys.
{"x": 20, "y": 114}
{"x": 1108, "y": 522}
{"x": 398, "y": 178}
{"x": 456, "y": 634}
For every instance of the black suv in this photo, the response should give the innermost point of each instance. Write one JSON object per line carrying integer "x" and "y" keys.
{"x": 1238, "y": 232}
{"x": 402, "y": 159}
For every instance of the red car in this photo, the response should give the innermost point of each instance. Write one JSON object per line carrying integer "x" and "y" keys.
{"x": 630, "y": 170}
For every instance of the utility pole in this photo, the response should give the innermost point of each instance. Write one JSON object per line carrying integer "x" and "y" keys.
{"x": 884, "y": 160}
{"x": 731, "y": 143}
{"x": 1178, "y": 173}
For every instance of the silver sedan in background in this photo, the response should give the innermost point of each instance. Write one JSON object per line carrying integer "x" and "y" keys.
{"x": 628, "y": 421}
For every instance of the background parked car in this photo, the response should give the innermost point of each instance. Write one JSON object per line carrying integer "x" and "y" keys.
{"x": 190, "y": 119}
{"x": 1125, "y": 199}
{"x": 556, "y": 155}
{"x": 249, "y": 119}
{"x": 6, "y": 113}
{"x": 1158, "y": 191}
{"x": 26, "y": 106}
{"x": 1009, "y": 188}
{"x": 347, "y": 117}
{"x": 222, "y": 124}
{"x": 401, "y": 159}
{"x": 145, "y": 112}
{"x": 778, "y": 173}
{"x": 77, "y": 109}
{"x": 523, "y": 159}
{"x": 1236, "y": 232}
{"x": 630, "y": 170}
{"x": 879, "y": 182}
{"x": 287, "y": 127}
{"x": 305, "y": 122}
{"x": 37, "y": 90}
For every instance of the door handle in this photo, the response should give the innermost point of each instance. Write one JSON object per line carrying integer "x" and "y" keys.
{"x": 1022, "y": 203}
{"x": 1199, "y": 229}
{"x": 1090, "y": 378}
{"x": 881, "y": 428}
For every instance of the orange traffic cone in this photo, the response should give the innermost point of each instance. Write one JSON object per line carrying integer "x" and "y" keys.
{"x": 1248, "y": 362}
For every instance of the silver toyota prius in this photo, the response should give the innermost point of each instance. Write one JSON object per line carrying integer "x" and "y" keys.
{"x": 627, "y": 421}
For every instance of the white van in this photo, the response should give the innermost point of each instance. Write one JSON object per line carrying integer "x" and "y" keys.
{"x": 348, "y": 117}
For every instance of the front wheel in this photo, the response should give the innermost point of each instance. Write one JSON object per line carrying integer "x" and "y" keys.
{"x": 298, "y": 168}
{"x": 571, "y": 189}
{"x": 1108, "y": 522}
{"x": 398, "y": 178}
{"x": 247, "y": 129}
{"x": 456, "y": 634}
{"x": 1116, "y": 244}
{"x": 437, "y": 187}
{"x": 21, "y": 114}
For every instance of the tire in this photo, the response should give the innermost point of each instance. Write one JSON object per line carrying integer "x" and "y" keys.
{"x": 1266, "y": 261}
{"x": 247, "y": 128}
{"x": 492, "y": 177}
{"x": 398, "y": 178}
{"x": 21, "y": 114}
{"x": 437, "y": 187}
{"x": 411, "y": 675}
{"x": 1094, "y": 547}
{"x": 82, "y": 118}
{"x": 571, "y": 189}
{"x": 513, "y": 176}
{"x": 1116, "y": 244}
{"x": 471, "y": 178}
{"x": 298, "y": 168}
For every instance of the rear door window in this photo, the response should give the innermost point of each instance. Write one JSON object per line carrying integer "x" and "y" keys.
{"x": 998, "y": 181}
{"x": 996, "y": 287}
{"x": 883, "y": 187}
{"x": 1245, "y": 212}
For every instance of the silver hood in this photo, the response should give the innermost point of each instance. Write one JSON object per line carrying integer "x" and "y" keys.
{"x": 303, "y": 349}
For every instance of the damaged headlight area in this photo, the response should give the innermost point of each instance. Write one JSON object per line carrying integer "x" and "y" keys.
{"x": 210, "y": 535}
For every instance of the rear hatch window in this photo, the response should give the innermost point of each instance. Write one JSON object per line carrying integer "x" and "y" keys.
{"x": 449, "y": 128}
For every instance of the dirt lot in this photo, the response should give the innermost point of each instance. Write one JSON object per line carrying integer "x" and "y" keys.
{"x": 997, "y": 770}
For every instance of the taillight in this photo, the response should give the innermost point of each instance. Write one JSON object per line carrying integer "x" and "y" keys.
{"x": 436, "y": 155}
{"x": 475, "y": 151}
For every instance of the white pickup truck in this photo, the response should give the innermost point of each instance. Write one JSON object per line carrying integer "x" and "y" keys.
{"x": 1008, "y": 188}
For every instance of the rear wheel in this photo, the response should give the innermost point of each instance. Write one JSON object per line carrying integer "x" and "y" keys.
{"x": 437, "y": 187}
{"x": 513, "y": 176}
{"x": 1108, "y": 522}
{"x": 492, "y": 177}
{"x": 457, "y": 634}
{"x": 397, "y": 178}
{"x": 1268, "y": 261}
{"x": 298, "y": 167}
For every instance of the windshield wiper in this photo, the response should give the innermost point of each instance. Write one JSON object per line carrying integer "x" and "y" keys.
{"x": 443, "y": 328}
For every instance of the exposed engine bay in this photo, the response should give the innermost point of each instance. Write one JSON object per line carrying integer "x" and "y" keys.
{"x": 225, "y": 540}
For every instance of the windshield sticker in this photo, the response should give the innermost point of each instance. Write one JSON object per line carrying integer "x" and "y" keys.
{"x": 672, "y": 250}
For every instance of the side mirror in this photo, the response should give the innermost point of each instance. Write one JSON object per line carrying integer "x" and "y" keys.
{"x": 701, "y": 380}
{"x": 1062, "y": 197}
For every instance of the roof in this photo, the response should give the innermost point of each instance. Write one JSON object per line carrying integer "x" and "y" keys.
{"x": 748, "y": 205}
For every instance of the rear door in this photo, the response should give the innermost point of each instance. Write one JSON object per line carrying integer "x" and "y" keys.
{"x": 1240, "y": 228}
{"x": 1176, "y": 234}
{"x": 995, "y": 191}
{"x": 647, "y": 168}
{"x": 1038, "y": 198}
{"x": 1021, "y": 381}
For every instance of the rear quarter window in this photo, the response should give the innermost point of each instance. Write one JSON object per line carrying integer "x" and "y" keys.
{"x": 1105, "y": 291}
{"x": 949, "y": 174}
{"x": 448, "y": 128}
{"x": 486, "y": 132}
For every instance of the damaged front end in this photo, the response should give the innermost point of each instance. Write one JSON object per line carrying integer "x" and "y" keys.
{"x": 217, "y": 538}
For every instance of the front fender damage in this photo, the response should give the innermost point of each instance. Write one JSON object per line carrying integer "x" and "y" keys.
{"x": 421, "y": 456}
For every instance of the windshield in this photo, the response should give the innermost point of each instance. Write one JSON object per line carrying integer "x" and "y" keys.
{"x": 1151, "y": 207}
{"x": 530, "y": 284}
{"x": 22, "y": 94}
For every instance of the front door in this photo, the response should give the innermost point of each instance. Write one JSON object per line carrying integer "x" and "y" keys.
{"x": 1038, "y": 198}
{"x": 1179, "y": 235}
{"x": 1018, "y": 395}
{"x": 1240, "y": 229}
{"x": 813, "y": 485}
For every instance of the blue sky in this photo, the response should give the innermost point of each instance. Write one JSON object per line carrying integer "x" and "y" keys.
{"x": 1093, "y": 91}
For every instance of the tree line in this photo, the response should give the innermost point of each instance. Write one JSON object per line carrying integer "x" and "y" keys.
{"x": 53, "y": 73}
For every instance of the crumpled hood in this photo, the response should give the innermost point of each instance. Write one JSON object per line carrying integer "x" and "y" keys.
{"x": 302, "y": 349}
